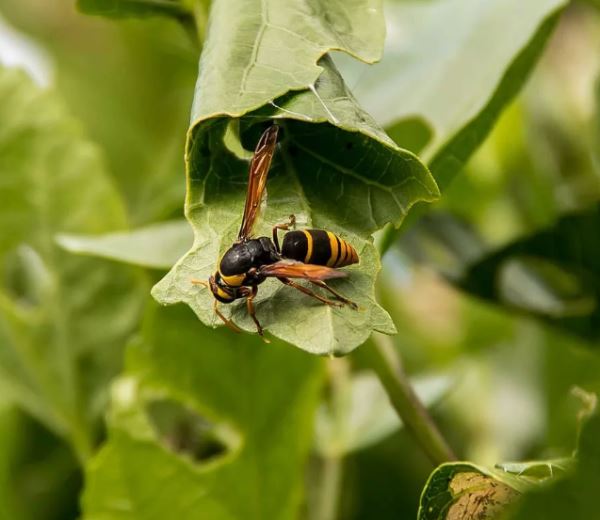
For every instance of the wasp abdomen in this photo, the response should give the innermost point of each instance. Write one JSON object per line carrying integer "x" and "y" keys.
{"x": 316, "y": 246}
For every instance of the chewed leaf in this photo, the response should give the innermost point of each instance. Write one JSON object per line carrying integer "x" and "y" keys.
{"x": 463, "y": 491}
{"x": 197, "y": 420}
{"x": 334, "y": 169}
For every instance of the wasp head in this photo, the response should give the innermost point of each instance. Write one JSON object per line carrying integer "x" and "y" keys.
{"x": 220, "y": 290}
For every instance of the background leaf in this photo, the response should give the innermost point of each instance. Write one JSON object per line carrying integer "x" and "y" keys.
{"x": 366, "y": 416}
{"x": 574, "y": 496}
{"x": 262, "y": 399}
{"x": 551, "y": 274}
{"x": 151, "y": 102}
{"x": 157, "y": 246}
{"x": 53, "y": 180}
{"x": 403, "y": 91}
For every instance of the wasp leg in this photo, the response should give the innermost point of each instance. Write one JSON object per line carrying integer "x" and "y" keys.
{"x": 226, "y": 321}
{"x": 337, "y": 295}
{"x": 290, "y": 224}
{"x": 200, "y": 282}
{"x": 252, "y": 312}
{"x": 307, "y": 291}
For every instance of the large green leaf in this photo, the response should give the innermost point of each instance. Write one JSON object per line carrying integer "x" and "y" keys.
{"x": 449, "y": 69}
{"x": 335, "y": 168}
{"x": 257, "y": 402}
{"x": 52, "y": 325}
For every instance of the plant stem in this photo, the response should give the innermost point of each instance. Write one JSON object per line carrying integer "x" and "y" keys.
{"x": 329, "y": 489}
{"x": 331, "y": 467}
{"x": 388, "y": 366}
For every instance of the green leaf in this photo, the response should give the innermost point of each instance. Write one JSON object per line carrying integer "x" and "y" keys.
{"x": 366, "y": 416}
{"x": 51, "y": 324}
{"x": 461, "y": 490}
{"x": 157, "y": 246}
{"x": 575, "y": 496}
{"x": 260, "y": 400}
{"x": 334, "y": 169}
{"x": 133, "y": 8}
{"x": 271, "y": 48}
{"x": 39, "y": 476}
{"x": 143, "y": 151}
{"x": 452, "y": 93}
{"x": 551, "y": 274}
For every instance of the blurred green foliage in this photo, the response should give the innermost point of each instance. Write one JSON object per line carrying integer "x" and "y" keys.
{"x": 199, "y": 423}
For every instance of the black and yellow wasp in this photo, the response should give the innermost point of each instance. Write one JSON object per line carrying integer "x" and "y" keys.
{"x": 310, "y": 254}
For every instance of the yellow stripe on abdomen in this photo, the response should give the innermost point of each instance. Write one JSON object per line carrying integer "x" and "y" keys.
{"x": 333, "y": 244}
{"x": 347, "y": 255}
{"x": 309, "y": 246}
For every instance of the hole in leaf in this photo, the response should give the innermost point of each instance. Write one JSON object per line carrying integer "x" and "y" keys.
{"x": 185, "y": 432}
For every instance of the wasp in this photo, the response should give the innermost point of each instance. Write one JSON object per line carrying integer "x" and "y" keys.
{"x": 310, "y": 254}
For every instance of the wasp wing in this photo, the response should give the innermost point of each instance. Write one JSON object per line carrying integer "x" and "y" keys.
{"x": 292, "y": 269}
{"x": 259, "y": 168}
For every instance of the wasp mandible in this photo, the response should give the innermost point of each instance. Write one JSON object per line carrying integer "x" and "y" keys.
{"x": 309, "y": 254}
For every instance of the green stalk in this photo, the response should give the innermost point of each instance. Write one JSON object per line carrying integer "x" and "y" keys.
{"x": 330, "y": 480}
{"x": 331, "y": 469}
{"x": 387, "y": 364}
